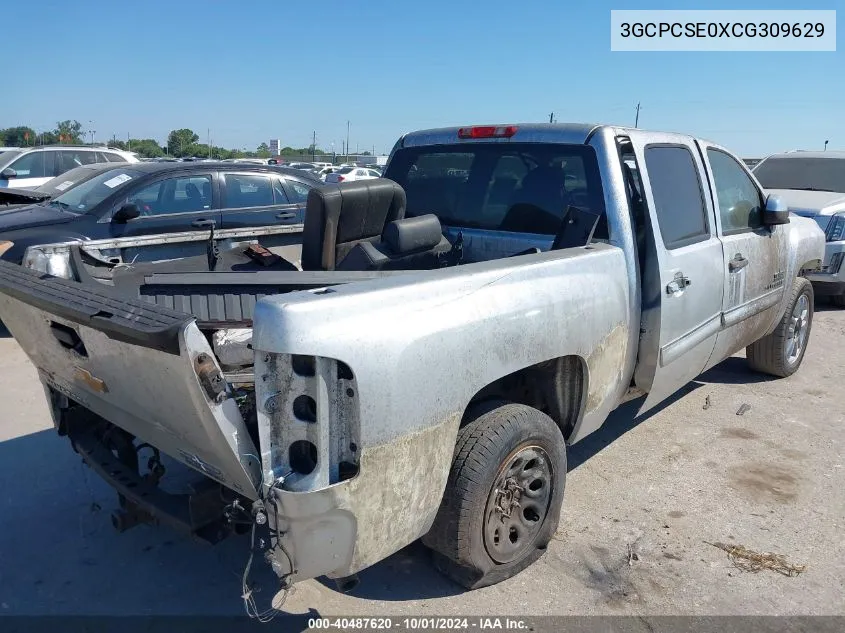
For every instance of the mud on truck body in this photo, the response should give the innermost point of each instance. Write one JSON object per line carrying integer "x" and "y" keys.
{"x": 453, "y": 328}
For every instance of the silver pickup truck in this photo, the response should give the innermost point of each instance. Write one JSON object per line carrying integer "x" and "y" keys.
{"x": 451, "y": 329}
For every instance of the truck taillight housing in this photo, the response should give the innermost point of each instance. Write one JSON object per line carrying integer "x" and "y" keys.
{"x": 487, "y": 131}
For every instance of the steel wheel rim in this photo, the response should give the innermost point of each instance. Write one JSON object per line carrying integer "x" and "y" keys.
{"x": 518, "y": 503}
{"x": 798, "y": 330}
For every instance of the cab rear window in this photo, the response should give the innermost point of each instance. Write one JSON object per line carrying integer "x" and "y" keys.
{"x": 519, "y": 187}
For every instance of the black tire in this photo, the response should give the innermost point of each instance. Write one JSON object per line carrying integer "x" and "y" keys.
{"x": 838, "y": 300}
{"x": 772, "y": 354}
{"x": 468, "y": 534}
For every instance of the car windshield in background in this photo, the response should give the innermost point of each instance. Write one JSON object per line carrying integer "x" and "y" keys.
{"x": 343, "y": 170}
{"x": 796, "y": 172}
{"x": 60, "y": 184}
{"x": 520, "y": 187}
{"x": 83, "y": 198}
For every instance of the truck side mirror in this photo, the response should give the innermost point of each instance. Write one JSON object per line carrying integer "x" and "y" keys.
{"x": 8, "y": 173}
{"x": 128, "y": 211}
{"x": 776, "y": 211}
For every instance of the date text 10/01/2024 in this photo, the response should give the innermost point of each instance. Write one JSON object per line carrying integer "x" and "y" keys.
{"x": 422, "y": 623}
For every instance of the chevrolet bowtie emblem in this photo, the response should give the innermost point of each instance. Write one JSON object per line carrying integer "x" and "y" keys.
{"x": 90, "y": 380}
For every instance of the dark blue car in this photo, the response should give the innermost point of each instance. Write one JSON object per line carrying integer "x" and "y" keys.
{"x": 135, "y": 199}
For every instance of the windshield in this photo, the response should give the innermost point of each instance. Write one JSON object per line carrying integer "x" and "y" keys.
{"x": 60, "y": 184}
{"x": 344, "y": 170}
{"x": 84, "y": 197}
{"x": 520, "y": 187}
{"x": 797, "y": 172}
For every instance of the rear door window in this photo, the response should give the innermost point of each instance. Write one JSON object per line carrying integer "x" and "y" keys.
{"x": 249, "y": 190}
{"x": 72, "y": 159}
{"x": 678, "y": 195}
{"x": 279, "y": 194}
{"x": 110, "y": 157}
{"x": 297, "y": 191}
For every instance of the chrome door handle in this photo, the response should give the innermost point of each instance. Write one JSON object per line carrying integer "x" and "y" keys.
{"x": 737, "y": 263}
{"x": 678, "y": 284}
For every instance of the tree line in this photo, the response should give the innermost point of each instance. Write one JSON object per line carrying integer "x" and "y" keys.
{"x": 180, "y": 143}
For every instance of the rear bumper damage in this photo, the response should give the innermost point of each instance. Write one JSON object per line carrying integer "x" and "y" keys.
{"x": 340, "y": 529}
{"x": 199, "y": 514}
{"x": 334, "y": 475}
{"x": 341, "y": 499}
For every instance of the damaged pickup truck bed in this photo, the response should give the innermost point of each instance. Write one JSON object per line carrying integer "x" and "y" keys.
{"x": 454, "y": 326}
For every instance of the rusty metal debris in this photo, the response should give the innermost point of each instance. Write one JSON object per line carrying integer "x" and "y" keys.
{"x": 632, "y": 555}
{"x": 748, "y": 560}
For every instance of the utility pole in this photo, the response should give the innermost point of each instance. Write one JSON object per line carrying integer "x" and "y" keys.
{"x": 825, "y": 145}
{"x": 347, "y": 141}
{"x": 128, "y": 143}
{"x": 552, "y": 117}
{"x": 208, "y": 134}
{"x": 637, "y": 119}
{"x": 314, "y": 145}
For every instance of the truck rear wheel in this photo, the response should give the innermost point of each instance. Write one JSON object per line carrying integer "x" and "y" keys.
{"x": 502, "y": 501}
{"x": 781, "y": 352}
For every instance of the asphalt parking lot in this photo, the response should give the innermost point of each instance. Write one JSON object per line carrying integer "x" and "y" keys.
{"x": 646, "y": 502}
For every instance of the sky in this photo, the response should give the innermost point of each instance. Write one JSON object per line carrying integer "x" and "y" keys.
{"x": 256, "y": 70}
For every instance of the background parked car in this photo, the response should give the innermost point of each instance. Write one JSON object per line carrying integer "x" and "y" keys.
{"x": 13, "y": 198}
{"x": 303, "y": 166}
{"x": 325, "y": 171}
{"x": 30, "y": 167}
{"x": 813, "y": 185}
{"x": 157, "y": 198}
{"x": 345, "y": 174}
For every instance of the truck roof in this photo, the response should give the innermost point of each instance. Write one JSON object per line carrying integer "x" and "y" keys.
{"x": 576, "y": 133}
{"x": 568, "y": 133}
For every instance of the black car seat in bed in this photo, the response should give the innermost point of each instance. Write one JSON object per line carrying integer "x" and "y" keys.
{"x": 339, "y": 216}
{"x": 409, "y": 244}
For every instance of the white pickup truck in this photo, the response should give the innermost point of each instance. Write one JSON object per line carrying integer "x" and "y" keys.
{"x": 453, "y": 327}
{"x": 812, "y": 184}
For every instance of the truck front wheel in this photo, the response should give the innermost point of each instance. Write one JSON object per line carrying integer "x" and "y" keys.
{"x": 781, "y": 352}
{"x": 502, "y": 501}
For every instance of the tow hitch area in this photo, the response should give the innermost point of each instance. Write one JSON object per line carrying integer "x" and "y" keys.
{"x": 208, "y": 513}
